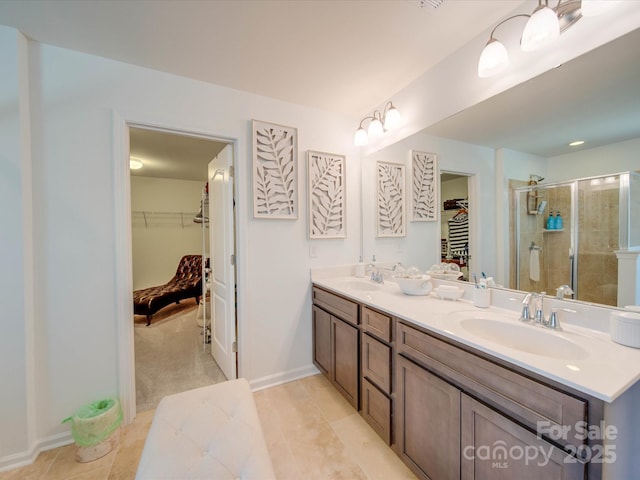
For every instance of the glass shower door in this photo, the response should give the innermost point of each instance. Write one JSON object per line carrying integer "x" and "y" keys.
{"x": 599, "y": 227}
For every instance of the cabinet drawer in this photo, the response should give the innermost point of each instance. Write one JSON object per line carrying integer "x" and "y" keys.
{"x": 376, "y": 362}
{"x": 376, "y": 410}
{"x": 337, "y": 305}
{"x": 524, "y": 399}
{"x": 377, "y": 324}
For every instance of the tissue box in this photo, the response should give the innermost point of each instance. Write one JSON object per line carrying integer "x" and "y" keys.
{"x": 625, "y": 328}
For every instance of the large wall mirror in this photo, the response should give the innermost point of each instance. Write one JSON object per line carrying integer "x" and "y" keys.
{"x": 523, "y": 134}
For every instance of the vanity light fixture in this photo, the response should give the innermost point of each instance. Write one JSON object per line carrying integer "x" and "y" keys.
{"x": 135, "y": 163}
{"x": 543, "y": 27}
{"x": 378, "y": 124}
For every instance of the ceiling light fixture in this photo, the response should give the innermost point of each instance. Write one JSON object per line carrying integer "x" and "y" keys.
{"x": 543, "y": 27}
{"x": 135, "y": 163}
{"x": 378, "y": 124}
{"x": 576, "y": 143}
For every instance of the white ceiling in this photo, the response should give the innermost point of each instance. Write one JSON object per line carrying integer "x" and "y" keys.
{"x": 169, "y": 155}
{"x": 345, "y": 56}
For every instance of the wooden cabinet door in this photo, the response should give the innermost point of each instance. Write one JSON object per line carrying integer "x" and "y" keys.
{"x": 428, "y": 422}
{"x": 495, "y": 448}
{"x": 322, "y": 340}
{"x": 345, "y": 359}
{"x": 376, "y": 362}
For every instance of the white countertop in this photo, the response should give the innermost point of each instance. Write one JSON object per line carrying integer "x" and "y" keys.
{"x": 601, "y": 368}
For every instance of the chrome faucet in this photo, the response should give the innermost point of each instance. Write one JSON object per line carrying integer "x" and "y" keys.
{"x": 525, "y": 316}
{"x": 376, "y": 276}
{"x": 538, "y": 317}
{"x": 563, "y": 290}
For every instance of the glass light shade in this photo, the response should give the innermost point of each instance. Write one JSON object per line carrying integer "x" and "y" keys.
{"x": 542, "y": 28}
{"x": 135, "y": 164}
{"x": 375, "y": 128}
{"x": 392, "y": 118}
{"x": 361, "y": 138}
{"x": 493, "y": 59}
{"x": 591, "y": 8}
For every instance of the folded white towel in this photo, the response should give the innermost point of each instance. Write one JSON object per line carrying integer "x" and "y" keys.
{"x": 534, "y": 265}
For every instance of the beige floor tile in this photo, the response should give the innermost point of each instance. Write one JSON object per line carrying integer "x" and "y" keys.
{"x": 331, "y": 403}
{"x": 97, "y": 474}
{"x": 34, "y": 471}
{"x": 319, "y": 453}
{"x": 65, "y": 466}
{"x": 369, "y": 451}
{"x": 283, "y": 461}
{"x": 310, "y": 430}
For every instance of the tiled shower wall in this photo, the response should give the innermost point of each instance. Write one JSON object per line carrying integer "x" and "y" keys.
{"x": 598, "y": 228}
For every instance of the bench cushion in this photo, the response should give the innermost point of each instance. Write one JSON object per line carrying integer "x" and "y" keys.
{"x": 208, "y": 433}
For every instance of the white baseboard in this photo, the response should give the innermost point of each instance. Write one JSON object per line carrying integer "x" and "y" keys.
{"x": 282, "y": 377}
{"x": 21, "y": 459}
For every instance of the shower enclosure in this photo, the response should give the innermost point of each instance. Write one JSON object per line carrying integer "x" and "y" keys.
{"x": 597, "y": 224}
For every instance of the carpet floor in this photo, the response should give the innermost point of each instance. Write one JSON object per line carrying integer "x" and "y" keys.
{"x": 170, "y": 355}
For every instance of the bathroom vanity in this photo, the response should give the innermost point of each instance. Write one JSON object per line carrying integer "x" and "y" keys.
{"x": 460, "y": 392}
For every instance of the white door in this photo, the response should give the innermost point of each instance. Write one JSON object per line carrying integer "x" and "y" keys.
{"x": 222, "y": 248}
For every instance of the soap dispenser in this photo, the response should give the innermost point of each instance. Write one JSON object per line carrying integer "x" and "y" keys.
{"x": 558, "y": 223}
{"x": 550, "y": 221}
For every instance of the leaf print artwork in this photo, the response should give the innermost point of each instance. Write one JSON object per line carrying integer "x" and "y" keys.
{"x": 326, "y": 195}
{"x": 390, "y": 201}
{"x": 275, "y": 173}
{"x": 424, "y": 187}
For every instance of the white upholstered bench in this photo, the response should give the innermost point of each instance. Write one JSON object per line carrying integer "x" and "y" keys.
{"x": 207, "y": 433}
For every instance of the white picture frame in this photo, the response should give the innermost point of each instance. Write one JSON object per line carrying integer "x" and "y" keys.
{"x": 327, "y": 210}
{"x": 275, "y": 171}
{"x": 390, "y": 200}
{"x": 424, "y": 186}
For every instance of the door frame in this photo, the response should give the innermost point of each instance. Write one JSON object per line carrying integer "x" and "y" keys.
{"x": 123, "y": 249}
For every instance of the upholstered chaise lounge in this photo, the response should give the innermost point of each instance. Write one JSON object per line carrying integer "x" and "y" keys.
{"x": 186, "y": 283}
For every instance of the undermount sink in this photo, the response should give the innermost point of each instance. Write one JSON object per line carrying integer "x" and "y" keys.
{"x": 360, "y": 285}
{"x": 525, "y": 338}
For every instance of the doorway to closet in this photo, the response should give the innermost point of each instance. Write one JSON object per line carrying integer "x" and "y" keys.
{"x": 455, "y": 221}
{"x": 170, "y": 218}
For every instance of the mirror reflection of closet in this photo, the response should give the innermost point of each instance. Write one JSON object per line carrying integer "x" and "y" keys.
{"x": 455, "y": 221}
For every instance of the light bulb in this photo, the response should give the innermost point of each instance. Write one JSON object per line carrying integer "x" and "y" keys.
{"x": 493, "y": 59}
{"x": 361, "y": 138}
{"x": 375, "y": 128}
{"x": 392, "y": 118}
{"x": 542, "y": 28}
{"x": 135, "y": 164}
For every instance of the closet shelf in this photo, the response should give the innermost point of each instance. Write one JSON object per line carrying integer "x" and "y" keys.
{"x": 149, "y": 219}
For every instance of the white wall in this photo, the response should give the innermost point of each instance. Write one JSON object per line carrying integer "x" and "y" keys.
{"x": 421, "y": 246}
{"x": 161, "y": 241}
{"x": 74, "y": 98}
{"x": 614, "y": 158}
{"x": 14, "y": 251}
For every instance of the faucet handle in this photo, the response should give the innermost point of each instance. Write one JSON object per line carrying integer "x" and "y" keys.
{"x": 525, "y": 316}
{"x": 554, "y": 320}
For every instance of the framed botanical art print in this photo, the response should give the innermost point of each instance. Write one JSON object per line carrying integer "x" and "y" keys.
{"x": 275, "y": 171}
{"x": 327, "y": 196}
{"x": 424, "y": 186}
{"x": 390, "y": 211}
